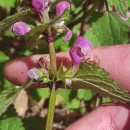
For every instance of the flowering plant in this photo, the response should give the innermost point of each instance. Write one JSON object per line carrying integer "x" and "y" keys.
{"x": 49, "y": 21}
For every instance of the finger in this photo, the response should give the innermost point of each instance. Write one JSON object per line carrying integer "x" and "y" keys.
{"x": 116, "y": 60}
{"x": 104, "y": 118}
{"x": 16, "y": 70}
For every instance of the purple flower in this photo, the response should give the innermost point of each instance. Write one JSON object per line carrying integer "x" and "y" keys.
{"x": 80, "y": 48}
{"x": 33, "y": 74}
{"x": 68, "y": 35}
{"x": 20, "y": 28}
{"x": 40, "y": 5}
{"x": 60, "y": 7}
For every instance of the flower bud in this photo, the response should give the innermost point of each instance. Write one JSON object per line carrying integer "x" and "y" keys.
{"x": 33, "y": 74}
{"x": 80, "y": 49}
{"x": 60, "y": 7}
{"x": 20, "y": 28}
{"x": 68, "y": 35}
{"x": 40, "y": 5}
{"x": 68, "y": 82}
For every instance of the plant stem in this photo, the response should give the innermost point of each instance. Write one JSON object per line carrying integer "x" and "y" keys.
{"x": 51, "y": 108}
{"x": 53, "y": 67}
{"x": 52, "y": 73}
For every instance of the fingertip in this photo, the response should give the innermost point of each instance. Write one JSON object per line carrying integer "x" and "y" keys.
{"x": 16, "y": 70}
{"x": 113, "y": 117}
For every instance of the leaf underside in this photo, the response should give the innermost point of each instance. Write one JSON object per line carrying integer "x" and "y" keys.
{"x": 92, "y": 77}
{"x": 8, "y": 96}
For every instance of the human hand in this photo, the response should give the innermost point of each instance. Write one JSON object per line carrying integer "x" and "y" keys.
{"x": 114, "y": 59}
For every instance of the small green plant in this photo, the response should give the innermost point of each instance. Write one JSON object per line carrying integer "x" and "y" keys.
{"x": 42, "y": 22}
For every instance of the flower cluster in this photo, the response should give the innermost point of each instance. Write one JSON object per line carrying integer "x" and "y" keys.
{"x": 38, "y": 74}
{"x": 78, "y": 51}
{"x": 42, "y": 6}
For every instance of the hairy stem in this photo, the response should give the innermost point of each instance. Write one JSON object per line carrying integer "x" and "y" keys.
{"x": 53, "y": 67}
{"x": 51, "y": 108}
{"x": 53, "y": 72}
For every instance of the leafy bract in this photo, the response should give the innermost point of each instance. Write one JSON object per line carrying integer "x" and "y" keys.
{"x": 92, "y": 77}
{"x": 10, "y": 20}
{"x": 11, "y": 123}
{"x": 119, "y": 5}
{"x": 109, "y": 29}
{"x": 7, "y": 97}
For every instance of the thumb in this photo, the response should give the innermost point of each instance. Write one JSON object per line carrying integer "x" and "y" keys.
{"x": 116, "y": 60}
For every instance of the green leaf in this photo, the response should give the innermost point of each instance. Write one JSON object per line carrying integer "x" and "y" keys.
{"x": 106, "y": 100}
{"x": 84, "y": 94}
{"x": 8, "y": 96}
{"x": 119, "y": 5}
{"x": 78, "y": 3}
{"x": 92, "y": 38}
{"x": 39, "y": 93}
{"x": 3, "y": 57}
{"x": 80, "y": 93}
{"x": 12, "y": 123}
{"x": 92, "y": 77}
{"x": 109, "y": 29}
{"x": 8, "y": 3}
{"x": 65, "y": 94}
{"x": 128, "y": 3}
{"x": 74, "y": 104}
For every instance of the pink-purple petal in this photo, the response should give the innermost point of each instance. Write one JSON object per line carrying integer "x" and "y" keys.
{"x": 40, "y": 5}
{"x": 68, "y": 82}
{"x": 75, "y": 57}
{"x": 60, "y": 7}
{"x": 20, "y": 28}
{"x": 68, "y": 35}
{"x": 33, "y": 73}
{"x": 80, "y": 48}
